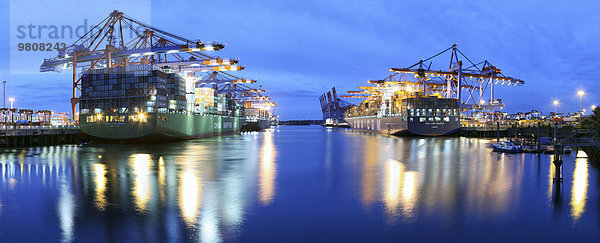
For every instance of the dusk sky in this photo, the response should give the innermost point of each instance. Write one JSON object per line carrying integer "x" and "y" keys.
{"x": 300, "y": 49}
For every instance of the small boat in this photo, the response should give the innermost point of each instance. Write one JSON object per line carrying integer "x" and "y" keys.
{"x": 507, "y": 146}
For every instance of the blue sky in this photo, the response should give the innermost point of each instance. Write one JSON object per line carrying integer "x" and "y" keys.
{"x": 299, "y": 49}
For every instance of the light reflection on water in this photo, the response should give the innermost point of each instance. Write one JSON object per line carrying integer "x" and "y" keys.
{"x": 551, "y": 174}
{"x": 369, "y": 170}
{"x": 66, "y": 211}
{"x": 162, "y": 178}
{"x": 267, "y": 170}
{"x": 141, "y": 187}
{"x": 399, "y": 194}
{"x": 422, "y": 176}
{"x": 579, "y": 190}
{"x": 100, "y": 175}
{"x": 243, "y": 187}
{"x": 392, "y": 190}
{"x": 189, "y": 196}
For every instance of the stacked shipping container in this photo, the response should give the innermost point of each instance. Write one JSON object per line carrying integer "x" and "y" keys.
{"x": 134, "y": 88}
{"x": 116, "y": 93}
{"x": 209, "y": 101}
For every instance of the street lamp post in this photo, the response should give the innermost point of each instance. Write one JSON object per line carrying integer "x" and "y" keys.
{"x": 12, "y": 100}
{"x": 580, "y": 93}
{"x": 4, "y": 97}
{"x": 555, "y": 107}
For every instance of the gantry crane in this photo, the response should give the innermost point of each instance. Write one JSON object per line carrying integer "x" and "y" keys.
{"x": 237, "y": 88}
{"x": 475, "y": 78}
{"x": 107, "y": 46}
{"x": 255, "y": 98}
{"x": 333, "y": 108}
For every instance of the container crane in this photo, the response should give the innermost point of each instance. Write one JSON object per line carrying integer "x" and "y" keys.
{"x": 237, "y": 88}
{"x": 333, "y": 108}
{"x": 475, "y": 78}
{"x": 106, "y": 46}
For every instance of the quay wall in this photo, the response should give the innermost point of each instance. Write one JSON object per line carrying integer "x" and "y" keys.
{"x": 39, "y": 136}
{"x": 523, "y": 132}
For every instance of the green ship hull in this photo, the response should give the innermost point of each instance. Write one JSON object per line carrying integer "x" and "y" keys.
{"x": 159, "y": 127}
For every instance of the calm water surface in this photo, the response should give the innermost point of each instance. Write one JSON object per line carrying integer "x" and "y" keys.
{"x": 304, "y": 183}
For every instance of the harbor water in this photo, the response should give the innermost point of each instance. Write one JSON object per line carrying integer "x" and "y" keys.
{"x": 294, "y": 184}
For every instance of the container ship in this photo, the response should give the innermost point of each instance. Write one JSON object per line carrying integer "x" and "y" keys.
{"x": 257, "y": 119}
{"x": 151, "y": 85}
{"x": 259, "y": 111}
{"x": 421, "y": 100}
{"x": 144, "y": 103}
{"x": 399, "y": 108}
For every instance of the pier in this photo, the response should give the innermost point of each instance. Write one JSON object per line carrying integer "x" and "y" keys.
{"x": 23, "y": 136}
{"x": 515, "y": 131}
{"x": 486, "y": 131}
{"x": 585, "y": 140}
{"x": 301, "y": 122}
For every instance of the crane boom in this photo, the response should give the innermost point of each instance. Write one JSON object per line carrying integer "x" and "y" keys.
{"x": 106, "y": 46}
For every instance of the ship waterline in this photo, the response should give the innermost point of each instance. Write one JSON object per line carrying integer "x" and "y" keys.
{"x": 403, "y": 126}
